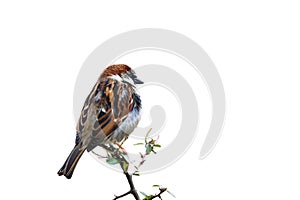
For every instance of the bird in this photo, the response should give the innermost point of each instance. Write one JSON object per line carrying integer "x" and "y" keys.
{"x": 110, "y": 113}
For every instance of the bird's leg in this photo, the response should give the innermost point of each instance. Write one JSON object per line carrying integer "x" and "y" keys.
{"x": 121, "y": 148}
{"x": 126, "y": 137}
{"x": 120, "y": 145}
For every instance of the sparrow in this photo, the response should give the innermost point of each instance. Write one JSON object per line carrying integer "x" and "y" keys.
{"x": 110, "y": 113}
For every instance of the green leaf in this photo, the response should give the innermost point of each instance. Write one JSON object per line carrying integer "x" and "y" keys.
{"x": 136, "y": 174}
{"x": 171, "y": 193}
{"x": 125, "y": 166}
{"x": 112, "y": 161}
{"x": 143, "y": 193}
{"x": 149, "y": 148}
{"x": 148, "y": 197}
{"x": 152, "y": 141}
{"x": 147, "y": 135}
{"x": 157, "y": 145}
{"x": 155, "y": 186}
{"x": 140, "y": 143}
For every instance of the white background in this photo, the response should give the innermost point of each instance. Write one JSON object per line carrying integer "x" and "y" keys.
{"x": 255, "y": 46}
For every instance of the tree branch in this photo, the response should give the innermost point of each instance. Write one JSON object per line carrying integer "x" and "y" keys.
{"x": 132, "y": 188}
{"x": 116, "y": 154}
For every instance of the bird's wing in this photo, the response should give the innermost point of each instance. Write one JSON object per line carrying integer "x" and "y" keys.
{"x": 84, "y": 112}
{"x": 114, "y": 106}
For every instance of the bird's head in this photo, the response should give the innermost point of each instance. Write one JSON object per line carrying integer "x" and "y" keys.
{"x": 121, "y": 73}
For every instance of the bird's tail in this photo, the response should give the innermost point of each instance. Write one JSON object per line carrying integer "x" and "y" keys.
{"x": 68, "y": 168}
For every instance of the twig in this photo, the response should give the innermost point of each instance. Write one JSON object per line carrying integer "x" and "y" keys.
{"x": 123, "y": 195}
{"x": 132, "y": 188}
{"x": 161, "y": 190}
{"x": 99, "y": 156}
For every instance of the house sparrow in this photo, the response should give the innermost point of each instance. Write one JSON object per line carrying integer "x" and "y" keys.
{"x": 110, "y": 113}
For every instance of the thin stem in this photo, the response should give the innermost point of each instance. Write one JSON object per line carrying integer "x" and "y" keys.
{"x": 123, "y": 195}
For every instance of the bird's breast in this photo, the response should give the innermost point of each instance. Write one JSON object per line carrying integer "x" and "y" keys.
{"x": 128, "y": 125}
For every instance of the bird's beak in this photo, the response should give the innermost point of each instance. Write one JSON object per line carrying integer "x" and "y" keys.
{"x": 137, "y": 81}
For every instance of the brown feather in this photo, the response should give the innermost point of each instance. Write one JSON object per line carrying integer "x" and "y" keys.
{"x": 115, "y": 70}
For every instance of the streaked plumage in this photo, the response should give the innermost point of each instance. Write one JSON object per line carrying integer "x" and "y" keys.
{"x": 110, "y": 113}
